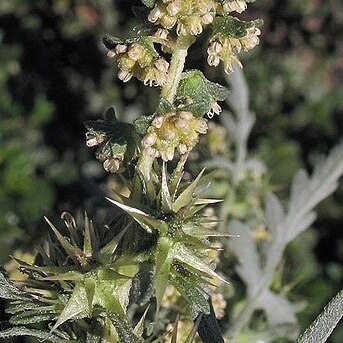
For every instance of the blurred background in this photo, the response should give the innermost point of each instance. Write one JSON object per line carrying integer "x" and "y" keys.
{"x": 54, "y": 75}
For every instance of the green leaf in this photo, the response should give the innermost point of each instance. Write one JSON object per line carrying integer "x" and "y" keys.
{"x": 233, "y": 27}
{"x": 23, "y": 331}
{"x": 163, "y": 265}
{"x": 142, "y": 123}
{"x": 87, "y": 241}
{"x": 77, "y": 306}
{"x": 114, "y": 138}
{"x": 187, "y": 195}
{"x": 164, "y": 107}
{"x": 148, "y": 44}
{"x": 123, "y": 328}
{"x": 70, "y": 249}
{"x": 31, "y": 317}
{"x": 8, "y": 290}
{"x": 142, "y": 284}
{"x": 166, "y": 200}
{"x": 147, "y": 222}
{"x": 196, "y": 94}
{"x": 90, "y": 290}
{"x": 110, "y": 42}
{"x": 149, "y": 3}
{"x": 190, "y": 260}
{"x": 191, "y": 292}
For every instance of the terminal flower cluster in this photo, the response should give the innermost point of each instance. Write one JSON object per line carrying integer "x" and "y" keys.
{"x": 191, "y": 16}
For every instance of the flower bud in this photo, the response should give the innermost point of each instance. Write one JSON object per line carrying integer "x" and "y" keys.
{"x": 161, "y": 64}
{"x": 111, "y": 53}
{"x": 201, "y": 126}
{"x": 157, "y": 122}
{"x": 161, "y": 34}
{"x": 155, "y": 15}
{"x": 149, "y": 140}
{"x": 168, "y": 21}
{"x": 136, "y": 51}
{"x": 124, "y": 75}
{"x": 121, "y": 49}
{"x": 174, "y": 7}
{"x": 207, "y": 18}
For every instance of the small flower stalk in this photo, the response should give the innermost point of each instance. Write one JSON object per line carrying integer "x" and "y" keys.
{"x": 92, "y": 283}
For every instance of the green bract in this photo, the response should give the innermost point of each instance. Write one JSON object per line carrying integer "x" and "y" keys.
{"x": 197, "y": 94}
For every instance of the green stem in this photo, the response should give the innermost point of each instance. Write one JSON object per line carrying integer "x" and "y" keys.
{"x": 144, "y": 167}
{"x": 177, "y": 65}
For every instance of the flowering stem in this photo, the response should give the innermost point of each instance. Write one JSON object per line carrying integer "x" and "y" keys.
{"x": 177, "y": 64}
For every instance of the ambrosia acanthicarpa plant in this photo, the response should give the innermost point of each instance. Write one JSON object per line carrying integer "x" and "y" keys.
{"x": 91, "y": 285}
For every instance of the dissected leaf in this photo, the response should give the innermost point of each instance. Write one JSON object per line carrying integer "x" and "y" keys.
{"x": 233, "y": 27}
{"x": 196, "y": 94}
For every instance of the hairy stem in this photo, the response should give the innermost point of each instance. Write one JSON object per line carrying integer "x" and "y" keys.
{"x": 177, "y": 64}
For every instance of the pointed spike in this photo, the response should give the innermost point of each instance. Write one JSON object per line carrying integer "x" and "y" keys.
{"x": 175, "y": 328}
{"x": 139, "y": 328}
{"x": 69, "y": 276}
{"x": 87, "y": 240}
{"x": 76, "y": 305}
{"x": 165, "y": 195}
{"x": 187, "y": 195}
{"x": 147, "y": 222}
{"x": 67, "y": 246}
{"x": 106, "y": 253}
{"x": 70, "y": 223}
{"x": 193, "y": 333}
{"x": 188, "y": 258}
{"x": 90, "y": 291}
{"x": 164, "y": 257}
{"x": 207, "y": 201}
{"x": 177, "y": 175}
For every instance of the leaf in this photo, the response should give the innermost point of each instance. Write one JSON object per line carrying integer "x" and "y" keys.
{"x": 196, "y": 94}
{"x": 274, "y": 216}
{"x": 149, "y": 3}
{"x": 31, "y": 317}
{"x": 23, "y": 331}
{"x": 285, "y": 313}
{"x": 8, "y": 290}
{"x": 233, "y": 27}
{"x": 196, "y": 264}
{"x": 190, "y": 290}
{"x": 139, "y": 328}
{"x": 164, "y": 107}
{"x": 166, "y": 200}
{"x": 87, "y": 242}
{"x": 187, "y": 195}
{"x": 142, "y": 123}
{"x": 70, "y": 249}
{"x": 162, "y": 270}
{"x": 76, "y": 306}
{"x": 110, "y": 42}
{"x": 208, "y": 328}
{"x": 243, "y": 247}
{"x": 90, "y": 291}
{"x": 320, "y": 330}
{"x": 123, "y": 328}
{"x": 147, "y": 222}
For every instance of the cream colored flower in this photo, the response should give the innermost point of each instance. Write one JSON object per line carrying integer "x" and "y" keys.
{"x": 174, "y": 131}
